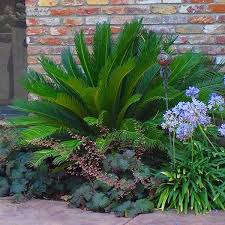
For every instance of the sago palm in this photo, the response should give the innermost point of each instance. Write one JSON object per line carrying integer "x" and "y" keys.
{"x": 115, "y": 80}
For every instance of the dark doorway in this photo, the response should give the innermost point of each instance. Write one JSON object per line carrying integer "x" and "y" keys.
{"x": 12, "y": 50}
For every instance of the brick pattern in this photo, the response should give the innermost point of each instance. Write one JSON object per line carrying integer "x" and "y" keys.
{"x": 200, "y": 24}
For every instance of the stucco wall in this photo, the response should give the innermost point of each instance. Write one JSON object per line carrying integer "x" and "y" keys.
{"x": 200, "y": 24}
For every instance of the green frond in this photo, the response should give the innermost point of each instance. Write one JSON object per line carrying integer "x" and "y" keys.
{"x": 60, "y": 154}
{"x": 85, "y": 57}
{"x": 110, "y": 86}
{"x": 122, "y": 113}
{"x": 23, "y": 121}
{"x": 58, "y": 114}
{"x": 40, "y": 156}
{"x": 64, "y": 150}
{"x": 115, "y": 82}
{"x": 39, "y": 85}
{"x": 131, "y": 31}
{"x": 37, "y": 132}
{"x": 70, "y": 65}
{"x": 145, "y": 63}
{"x": 101, "y": 47}
{"x": 182, "y": 66}
{"x": 67, "y": 82}
{"x": 70, "y": 103}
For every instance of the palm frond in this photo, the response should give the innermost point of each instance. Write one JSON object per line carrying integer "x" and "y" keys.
{"x": 101, "y": 48}
{"x": 85, "y": 57}
{"x": 38, "y": 157}
{"x": 53, "y": 112}
{"x": 39, "y": 85}
{"x": 24, "y": 121}
{"x": 60, "y": 153}
{"x": 38, "y": 132}
{"x": 70, "y": 65}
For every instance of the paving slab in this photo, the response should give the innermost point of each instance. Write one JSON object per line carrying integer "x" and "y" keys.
{"x": 172, "y": 218}
{"x": 45, "y": 212}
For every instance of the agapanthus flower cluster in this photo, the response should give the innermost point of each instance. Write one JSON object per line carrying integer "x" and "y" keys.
{"x": 216, "y": 102}
{"x": 184, "y": 131}
{"x": 222, "y": 130}
{"x": 185, "y": 117}
{"x": 192, "y": 92}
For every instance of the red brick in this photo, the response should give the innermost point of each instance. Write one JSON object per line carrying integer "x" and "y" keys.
{"x": 192, "y": 8}
{"x": 137, "y": 10}
{"x": 221, "y": 19}
{"x": 71, "y": 2}
{"x": 32, "y": 59}
{"x": 39, "y": 69}
{"x": 31, "y": 2}
{"x": 46, "y": 50}
{"x": 88, "y": 11}
{"x": 60, "y": 30}
{"x": 182, "y": 40}
{"x": 50, "y": 41}
{"x": 86, "y": 29}
{"x": 36, "y": 31}
{"x": 195, "y": 39}
{"x": 63, "y": 12}
{"x": 50, "y": 21}
{"x": 113, "y": 10}
{"x": 31, "y": 21}
{"x": 174, "y": 19}
{"x": 201, "y": 19}
{"x": 201, "y": 1}
{"x": 68, "y": 41}
{"x": 121, "y": 19}
{"x": 168, "y": 29}
{"x": 220, "y": 39}
{"x": 216, "y": 8}
{"x": 115, "y": 29}
{"x": 121, "y": 2}
{"x": 89, "y": 40}
{"x": 73, "y": 21}
{"x": 220, "y": 50}
{"x": 35, "y": 59}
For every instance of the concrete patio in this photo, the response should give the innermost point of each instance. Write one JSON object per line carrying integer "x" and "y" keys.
{"x": 42, "y": 212}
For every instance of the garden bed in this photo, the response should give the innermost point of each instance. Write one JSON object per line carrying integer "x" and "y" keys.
{"x": 138, "y": 128}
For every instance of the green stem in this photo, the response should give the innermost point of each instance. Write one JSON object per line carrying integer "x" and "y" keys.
{"x": 221, "y": 117}
{"x": 174, "y": 151}
{"x": 214, "y": 121}
{"x": 204, "y": 134}
{"x": 192, "y": 150}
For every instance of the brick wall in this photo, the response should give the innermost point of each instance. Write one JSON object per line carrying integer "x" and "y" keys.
{"x": 200, "y": 24}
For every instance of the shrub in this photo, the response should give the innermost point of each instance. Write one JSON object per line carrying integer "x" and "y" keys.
{"x": 119, "y": 79}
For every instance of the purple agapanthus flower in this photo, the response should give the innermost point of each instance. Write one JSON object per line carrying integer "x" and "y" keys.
{"x": 170, "y": 121}
{"x": 185, "y": 117}
{"x": 192, "y": 92}
{"x": 216, "y": 102}
{"x": 194, "y": 113}
{"x": 222, "y": 130}
{"x": 184, "y": 131}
